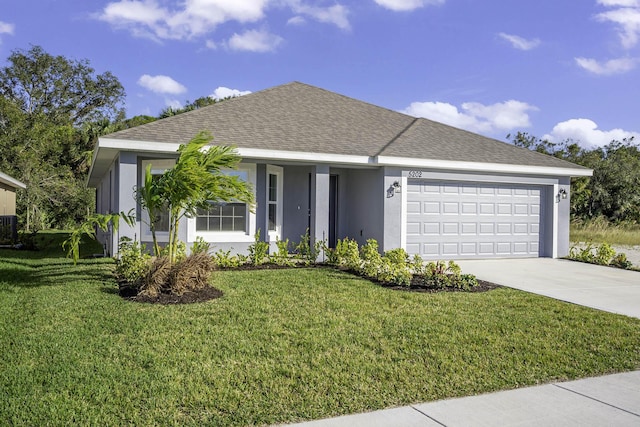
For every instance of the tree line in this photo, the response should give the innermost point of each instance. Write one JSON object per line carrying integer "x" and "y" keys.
{"x": 613, "y": 192}
{"x": 53, "y": 109}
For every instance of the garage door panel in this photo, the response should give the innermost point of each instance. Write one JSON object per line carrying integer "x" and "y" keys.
{"x": 472, "y": 220}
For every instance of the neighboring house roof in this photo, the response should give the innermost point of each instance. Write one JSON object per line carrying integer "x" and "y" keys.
{"x": 299, "y": 118}
{"x": 11, "y": 182}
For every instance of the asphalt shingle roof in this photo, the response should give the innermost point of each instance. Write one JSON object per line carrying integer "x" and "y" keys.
{"x": 304, "y": 118}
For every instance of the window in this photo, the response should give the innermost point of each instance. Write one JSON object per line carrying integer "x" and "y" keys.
{"x": 272, "y": 201}
{"x": 222, "y": 217}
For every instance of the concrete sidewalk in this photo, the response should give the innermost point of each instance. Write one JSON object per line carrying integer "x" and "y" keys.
{"x": 612, "y": 400}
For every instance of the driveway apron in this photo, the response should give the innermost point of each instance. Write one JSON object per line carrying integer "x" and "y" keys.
{"x": 604, "y": 288}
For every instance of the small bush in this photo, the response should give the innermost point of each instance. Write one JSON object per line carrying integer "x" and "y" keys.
{"x": 258, "y": 251}
{"x": 346, "y": 254}
{"x": 442, "y": 275}
{"x": 371, "y": 259}
{"x": 200, "y": 246}
{"x": 604, "y": 254}
{"x": 224, "y": 259}
{"x": 621, "y": 261}
{"x": 133, "y": 262}
{"x": 306, "y": 252}
{"x": 281, "y": 257}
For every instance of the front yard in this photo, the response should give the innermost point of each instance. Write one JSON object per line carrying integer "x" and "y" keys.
{"x": 279, "y": 346}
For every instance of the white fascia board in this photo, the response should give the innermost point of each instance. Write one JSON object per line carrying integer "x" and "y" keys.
{"x": 481, "y": 167}
{"x": 146, "y": 146}
{"x": 10, "y": 181}
{"x": 256, "y": 153}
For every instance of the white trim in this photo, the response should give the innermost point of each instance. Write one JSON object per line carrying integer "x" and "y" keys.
{"x": 279, "y": 173}
{"x": 11, "y": 182}
{"x": 145, "y": 146}
{"x": 480, "y": 167}
{"x": 554, "y": 225}
{"x": 407, "y": 162}
{"x": 403, "y": 213}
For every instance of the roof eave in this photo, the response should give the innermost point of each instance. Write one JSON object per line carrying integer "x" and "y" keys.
{"x": 12, "y": 182}
{"x": 482, "y": 167}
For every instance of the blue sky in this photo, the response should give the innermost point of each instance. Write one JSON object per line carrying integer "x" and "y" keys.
{"x": 553, "y": 68}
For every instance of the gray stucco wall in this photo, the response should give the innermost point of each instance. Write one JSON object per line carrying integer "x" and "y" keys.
{"x": 393, "y": 203}
{"x": 365, "y": 204}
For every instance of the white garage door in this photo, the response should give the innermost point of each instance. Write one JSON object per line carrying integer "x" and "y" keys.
{"x": 469, "y": 220}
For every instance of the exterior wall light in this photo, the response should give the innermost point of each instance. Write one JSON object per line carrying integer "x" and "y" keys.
{"x": 562, "y": 193}
{"x": 397, "y": 187}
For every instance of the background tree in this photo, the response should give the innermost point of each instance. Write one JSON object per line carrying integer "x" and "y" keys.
{"x": 51, "y": 111}
{"x": 613, "y": 191}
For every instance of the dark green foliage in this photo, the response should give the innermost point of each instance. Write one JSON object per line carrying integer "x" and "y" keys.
{"x": 601, "y": 255}
{"x": 614, "y": 189}
{"x": 258, "y": 251}
{"x": 133, "y": 262}
{"x": 51, "y": 111}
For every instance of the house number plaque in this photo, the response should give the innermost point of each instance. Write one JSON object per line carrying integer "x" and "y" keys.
{"x": 415, "y": 174}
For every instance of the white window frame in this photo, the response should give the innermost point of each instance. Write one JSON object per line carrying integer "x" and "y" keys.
{"x": 158, "y": 167}
{"x": 278, "y": 172}
{"x": 228, "y": 236}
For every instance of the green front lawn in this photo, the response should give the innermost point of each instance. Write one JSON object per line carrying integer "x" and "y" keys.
{"x": 280, "y": 346}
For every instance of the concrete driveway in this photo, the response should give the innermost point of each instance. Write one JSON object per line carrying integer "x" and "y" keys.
{"x": 604, "y": 288}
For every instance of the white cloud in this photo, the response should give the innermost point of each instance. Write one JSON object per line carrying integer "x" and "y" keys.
{"x": 224, "y": 92}
{"x": 210, "y": 44}
{"x": 626, "y": 16}
{"x": 297, "y": 20}
{"x": 613, "y": 66}
{"x": 254, "y": 41}
{"x": 6, "y": 28}
{"x": 188, "y": 19}
{"x": 586, "y": 132}
{"x": 161, "y": 84}
{"x": 194, "y": 18}
{"x": 173, "y": 103}
{"x": 519, "y": 42}
{"x": 336, "y": 14}
{"x": 407, "y": 5}
{"x": 476, "y": 117}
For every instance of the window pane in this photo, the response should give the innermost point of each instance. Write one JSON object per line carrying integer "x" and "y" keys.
{"x": 273, "y": 187}
{"x": 272, "y": 216}
{"x": 202, "y": 223}
{"x": 161, "y": 222}
{"x": 227, "y": 224}
{"x": 239, "y": 224}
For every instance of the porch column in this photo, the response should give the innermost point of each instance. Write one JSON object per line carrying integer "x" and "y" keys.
{"x": 262, "y": 219}
{"x": 319, "y": 205}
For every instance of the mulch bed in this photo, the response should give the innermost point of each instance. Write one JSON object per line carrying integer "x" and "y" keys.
{"x": 202, "y": 295}
{"x": 417, "y": 286}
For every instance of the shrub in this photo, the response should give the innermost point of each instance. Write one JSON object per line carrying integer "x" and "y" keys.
{"x": 346, "y": 254}
{"x": 200, "y": 246}
{"x": 621, "y": 261}
{"x": 224, "y": 259}
{"x": 258, "y": 251}
{"x": 133, "y": 262}
{"x": 371, "y": 260}
{"x": 281, "y": 257}
{"x": 604, "y": 254}
{"x": 448, "y": 275}
{"x": 306, "y": 252}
